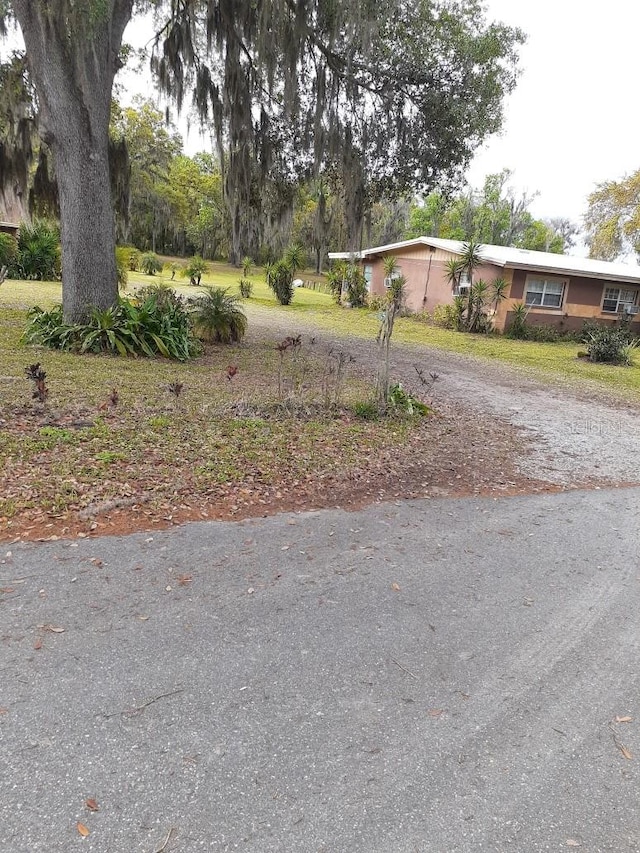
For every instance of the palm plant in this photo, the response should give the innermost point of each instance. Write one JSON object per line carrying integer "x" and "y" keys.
{"x": 470, "y": 260}
{"x": 295, "y": 257}
{"x": 38, "y": 251}
{"x": 217, "y": 316}
{"x": 195, "y": 269}
{"x": 150, "y": 263}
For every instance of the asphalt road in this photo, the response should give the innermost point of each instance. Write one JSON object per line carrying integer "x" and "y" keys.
{"x": 427, "y": 676}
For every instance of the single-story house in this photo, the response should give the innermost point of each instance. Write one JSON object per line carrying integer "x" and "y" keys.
{"x": 559, "y": 290}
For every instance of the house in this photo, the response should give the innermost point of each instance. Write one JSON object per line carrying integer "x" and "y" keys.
{"x": 559, "y": 290}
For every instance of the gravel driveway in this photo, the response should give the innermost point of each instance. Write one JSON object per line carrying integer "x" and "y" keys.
{"x": 579, "y": 434}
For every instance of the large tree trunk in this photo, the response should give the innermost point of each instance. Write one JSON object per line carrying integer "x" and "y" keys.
{"x": 72, "y": 52}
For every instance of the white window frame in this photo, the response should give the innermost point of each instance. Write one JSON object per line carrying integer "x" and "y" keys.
{"x": 462, "y": 285}
{"x": 620, "y": 303}
{"x": 545, "y": 280}
{"x": 389, "y": 278}
{"x": 367, "y": 271}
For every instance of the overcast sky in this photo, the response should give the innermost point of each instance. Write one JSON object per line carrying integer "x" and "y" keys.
{"x": 573, "y": 119}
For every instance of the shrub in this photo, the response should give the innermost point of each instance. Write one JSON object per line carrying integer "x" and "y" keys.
{"x": 150, "y": 263}
{"x": 218, "y": 317}
{"x": 8, "y": 249}
{"x": 357, "y": 288}
{"x": 280, "y": 280}
{"x": 446, "y": 316}
{"x": 246, "y": 263}
{"x": 38, "y": 255}
{"x": 518, "y": 328}
{"x": 403, "y": 401}
{"x": 122, "y": 265}
{"x": 246, "y": 288}
{"x": 151, "y": 327}
{"x": 194, "y": 270}
{"x": 610, "y": 345}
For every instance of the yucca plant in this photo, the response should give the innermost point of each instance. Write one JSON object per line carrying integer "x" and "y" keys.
{"x": 280, "y": 280}
{"x": 217, "y": 316}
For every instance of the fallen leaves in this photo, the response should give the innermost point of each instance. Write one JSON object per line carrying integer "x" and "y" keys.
{"x": 619, "y": 745}
{"x": 54, "y": 629}
{"x": 573, "y": 842}
{"x": 82, "y": 829}
{"x": 92, "y": 805}
{"x": 436, "y": 712}
{"x": 395, "y": 587}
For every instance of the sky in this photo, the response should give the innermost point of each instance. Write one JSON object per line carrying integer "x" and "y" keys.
{"x": 573, "y": 120}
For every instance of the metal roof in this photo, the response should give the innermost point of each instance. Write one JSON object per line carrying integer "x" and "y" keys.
{"x": 508, "y": 256}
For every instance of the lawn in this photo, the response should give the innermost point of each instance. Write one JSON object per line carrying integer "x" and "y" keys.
{"x": 240, "y": 443}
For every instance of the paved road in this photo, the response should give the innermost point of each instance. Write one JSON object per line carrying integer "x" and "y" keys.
{"x": 428, "y": 676}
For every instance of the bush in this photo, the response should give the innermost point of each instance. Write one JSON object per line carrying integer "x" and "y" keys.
{"x": 246, "y": 288}
{"x": 218, "y": 317}
{"x": 194, "y": 270}
{"x": 133, "y": 258}
{"x": 151, "y": 327}
{"x": 610, "y": 345}
{"x": 150, "y": 263}
{"x": 518, "y": 328}
{"x": 446, "y": 317}
{"x": 280, "y": 280}
{"x": 38, "y": 254}
{"x": 8, "y": 249}
{"x": 122, "y": 265}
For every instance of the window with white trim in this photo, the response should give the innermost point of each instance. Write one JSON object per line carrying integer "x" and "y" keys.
{"x": 544, "y": 292}
{"x": 462, "y": 285}
{"x": 368, "y": 275}
{"x": 617, "y": 300}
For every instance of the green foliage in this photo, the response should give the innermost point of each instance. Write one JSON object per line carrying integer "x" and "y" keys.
{"x": 366, "y": 410}
{"x": 194, "y": 270}
{"x": 246, "y": 288}
{"x": 611, "y": 344}
{"x": 246, "y": 263}
{"x": 122, "y": 265}
{"x": 38, "y": 255}
{"x": 133, "y": 258}
{"x": 402, "y": 401}
{"x": 150, "y": 263}
{"x": 448, "y": 316}
{"x": 8, "y": 249}
{"x": 348, "y": 278}
{"x": 612, "y": 220}
{"x": 280, "y": 280}
{"x": 495, "y": 215}
{"x": 217, "y": 316}
{"x": 152, "y": 327}
{"x": 518, "y": 327}
{"x": 295, "y": 257}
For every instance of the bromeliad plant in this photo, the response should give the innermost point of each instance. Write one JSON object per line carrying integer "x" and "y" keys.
{"x": 153, "y": 326}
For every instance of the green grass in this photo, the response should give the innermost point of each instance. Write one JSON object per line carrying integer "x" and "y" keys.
{"x": 219, "y": 440}
{"x": 550, "y": 361}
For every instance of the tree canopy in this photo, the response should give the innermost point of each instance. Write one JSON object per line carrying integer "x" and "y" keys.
{"x": 388, "y": 96}
{"x": 612, "y": 221}
{"x": 495, "y": 215}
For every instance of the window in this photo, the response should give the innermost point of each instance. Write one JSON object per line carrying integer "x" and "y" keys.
{"x": 461, "y": 288}
{"x": 616, "y": 300}
{"x": 368, "y": 275}
{"x": 544, "y": 292}
{"x": 394, "y": 275}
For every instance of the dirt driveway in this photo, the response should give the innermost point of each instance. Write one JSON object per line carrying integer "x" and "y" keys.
{"x": 561, "y": 435}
